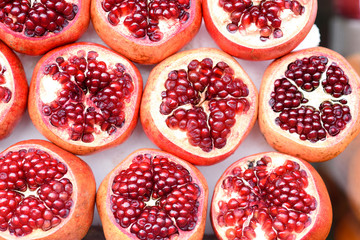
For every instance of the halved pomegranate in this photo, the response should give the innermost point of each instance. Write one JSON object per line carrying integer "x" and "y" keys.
{"x": 36, "y": 26}
{"x": 153, "y": 195}
{"x": 199, "y": 105}
{"x": 85, "y": 97}
{"x": 45, "y": 193}
{"x": 271, "y": 196}
{"x": 146, "y": 31}
{"x": 13, "y": 90}
{"x": 309, "y": 104}
{"x": 261, "y": 29}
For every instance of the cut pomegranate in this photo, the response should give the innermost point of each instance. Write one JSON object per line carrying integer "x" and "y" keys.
{"x": 13, "y": 90}
{"x": 34, "y": 27}
{"x": 259, "y": 30}
{"x": 153, "y": 195}
{"x": 309, "y": 104}
{"x": 85, "y": 97}
{"x": 146, "y": 31}
{"x": 45, "y": 193}
{"x": 271, "y": 196}
{"x": 199, "y": 105}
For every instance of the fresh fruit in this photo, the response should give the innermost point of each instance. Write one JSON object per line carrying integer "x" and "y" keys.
{"x": 199, "y": 105}
{"x": 13, "y": 90}
{"x": 34, "y": 27}
{"x": 352, "y": 184}
{"x": 309, "y": 104}
{"x": 259, "y": 30}
{"x": 45, "y": 193}
{"x": 85, "y": 97}
{"x": 146, "y": 31}
{"x": 153, "y": 195}
{"x": 271, "y": 196}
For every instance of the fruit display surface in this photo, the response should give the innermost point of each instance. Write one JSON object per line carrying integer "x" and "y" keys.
{"x": 103, "y": 162}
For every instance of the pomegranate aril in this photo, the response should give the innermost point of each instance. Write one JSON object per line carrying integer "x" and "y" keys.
{"x": 336, "y": 82}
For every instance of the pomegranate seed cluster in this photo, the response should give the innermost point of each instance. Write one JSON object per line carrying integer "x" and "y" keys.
{"x": 275, "y": 201}
{"x": 203, "y": 85}
{"x": 142, "y": 17}
{"x": 49, "y": 200}
{"x": 304, "y": 76}
{"x": 104, "y": 89}
{"x": 169, "y": 185}
{"x": 38, "y": 19}
{"x": 265, "y": 16}
{"x": 5, "y": 93}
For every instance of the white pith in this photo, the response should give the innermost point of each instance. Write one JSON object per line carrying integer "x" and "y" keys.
{"x": 179, "y": 137}
{"x": 277, "y": 160}
{"x": 290, "y": 25}
{"x": 38, "y": 233}
{"x": 9, "y": 83}
{"x": 47, "y": 90}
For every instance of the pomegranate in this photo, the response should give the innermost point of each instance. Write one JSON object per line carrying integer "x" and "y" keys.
{"x": 146, "y": 31}
{"x": 34, "y": 27}
{"x": 153, "y": 195}
{"x": 309, "y": 104}
{"x": 13, "y": 90}
{"x": 353, "y": 181}
{"x": 261, "y": 29}
{"x": 199, "y": 105}
{"x": 85, "y": 97}
{"x": 271, "y": 196}
{"x": 45, "y": 193}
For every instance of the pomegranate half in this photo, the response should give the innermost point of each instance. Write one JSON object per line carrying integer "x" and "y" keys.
{"x": 13, "y": 90}
{"x": 34, "y": 27}
{"x": 309, "y": 104}
{"x": 199, "y": 105}
{"x": 259, "y": 30}
{"x": 153, "y": 195}
{"x": 45, "y": 193}
{"x": 271, "y": 196}
{"x": 85, "y": 97}
{"x": 146, "y": 32}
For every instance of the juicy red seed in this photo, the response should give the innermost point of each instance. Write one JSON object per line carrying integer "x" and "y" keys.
{"x": 38, "y": 171}
{"x": 142, "y": 18}
{"x": 168, "y": 183}
{"x": 266, "y": 15}
{"x": 273, "y": 199}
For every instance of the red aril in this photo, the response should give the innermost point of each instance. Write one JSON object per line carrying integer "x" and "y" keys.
{"x": 259, "y": 30}
{"x": 13, "y": 90}
{"x": 45, "y": 193}
{"x": 85, "y": 97}
{"x": 271, "y": 196}
{"x": 146, "y": 31}
{"x": 199, "y": 105}
{"x": 34, "y": 27}
{"x": 309, "y": 104}
{"x": 153, "y": 195}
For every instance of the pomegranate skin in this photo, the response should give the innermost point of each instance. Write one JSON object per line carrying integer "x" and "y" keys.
{"x": 171, "y": 141}
{"x": 285, "y": 142}
{"x": 63, "y": 141}
{"x": 103, "y": 203}
{"x": 145, "y": 51}
{"x": 78, "y": 222}
{"x": 12, "y": 115}
{"x": 323, "y": 219}
{"x": 241, "y": 50}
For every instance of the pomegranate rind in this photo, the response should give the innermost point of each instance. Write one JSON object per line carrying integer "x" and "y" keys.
{"x": 322, "y": 219}
{"x": 145, "y": 51}
{"x": 353, "y": 181}
{"x": 56, "y": 136}
{"x": 111, "y": 228}
{"x": 15, "y": 109}
{"x": 245, "y": 48}
{"x": 285, "y": 142}
{"x": 77, "y": 223}
{"x": 176, "y": 142}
